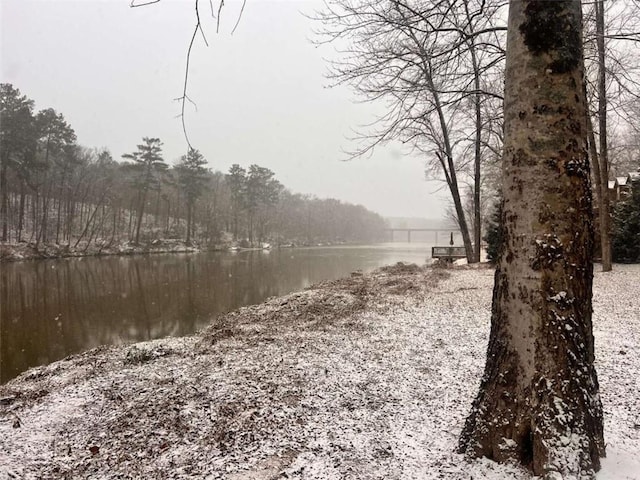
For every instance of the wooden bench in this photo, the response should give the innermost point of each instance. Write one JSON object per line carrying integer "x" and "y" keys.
{"x": 448, "y": 254}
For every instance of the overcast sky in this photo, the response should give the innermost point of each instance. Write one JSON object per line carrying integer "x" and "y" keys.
{"x": 261, "y": 94}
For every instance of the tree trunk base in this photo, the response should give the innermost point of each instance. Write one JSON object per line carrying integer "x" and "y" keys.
{"x": 550, "y": 442}
{"x": 551, "y": 423}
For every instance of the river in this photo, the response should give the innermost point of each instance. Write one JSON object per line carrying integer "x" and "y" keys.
{"x": 50, "y": 309}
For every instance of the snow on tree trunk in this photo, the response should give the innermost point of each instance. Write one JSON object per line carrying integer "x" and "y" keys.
{"x": 538, "y": 402}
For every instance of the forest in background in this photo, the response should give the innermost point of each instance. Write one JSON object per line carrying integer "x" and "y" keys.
{"x": 54, "y": 191}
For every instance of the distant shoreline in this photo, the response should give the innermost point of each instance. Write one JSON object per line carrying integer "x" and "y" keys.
{"x": 26, "y": 251}
{"x": 17, "y": 252}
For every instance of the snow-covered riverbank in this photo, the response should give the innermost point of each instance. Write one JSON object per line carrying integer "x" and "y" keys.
{"x": 367, "y": 377}
{"x": 10, "y": 252}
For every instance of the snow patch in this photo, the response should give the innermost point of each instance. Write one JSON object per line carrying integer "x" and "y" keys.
{"x": 559, "y": 297}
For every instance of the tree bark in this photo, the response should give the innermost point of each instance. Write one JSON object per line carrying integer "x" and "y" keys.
{"x": 538, "y": 403}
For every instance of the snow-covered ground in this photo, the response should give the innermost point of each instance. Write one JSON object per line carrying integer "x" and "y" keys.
{"x": 369, "y": 377}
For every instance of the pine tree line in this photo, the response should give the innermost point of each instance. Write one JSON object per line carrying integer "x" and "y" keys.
{"x": 55, "y": 191}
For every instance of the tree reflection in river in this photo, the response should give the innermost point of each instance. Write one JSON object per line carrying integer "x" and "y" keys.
{"x": 52, "y": 308}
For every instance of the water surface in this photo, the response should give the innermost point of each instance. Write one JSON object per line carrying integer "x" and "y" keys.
{"x": 50, "y": 309}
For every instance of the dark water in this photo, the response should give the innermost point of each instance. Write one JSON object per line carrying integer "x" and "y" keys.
{"x": 52, "y": 308}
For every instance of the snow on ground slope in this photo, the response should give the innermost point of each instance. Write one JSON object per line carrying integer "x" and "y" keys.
{"x": 364, "y": 378}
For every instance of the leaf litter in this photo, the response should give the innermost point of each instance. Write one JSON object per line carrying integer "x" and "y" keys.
{"x": 367, "y": 377}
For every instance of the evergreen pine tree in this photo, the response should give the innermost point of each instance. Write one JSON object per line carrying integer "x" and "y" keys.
{"x": 494, "y": 232}
{"x": 626, "y": 228}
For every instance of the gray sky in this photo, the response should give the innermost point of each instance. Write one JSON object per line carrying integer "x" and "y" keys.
{"x": 261, "y": 94}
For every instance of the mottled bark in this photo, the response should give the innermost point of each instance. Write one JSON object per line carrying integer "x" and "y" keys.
{"x": 538, "y": 403}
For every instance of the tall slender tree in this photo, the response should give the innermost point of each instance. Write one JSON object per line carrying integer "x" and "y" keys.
{"x": 192, "y": 177}
{"x": 237, "y": 181}
{"x": 262, "y": 192}
{"x": 603, "y": 153}
{"x": 17, "y": 139}
{"x": 538, "y": 403}
{"x": 56, "y": 136}
{"x": 148, "y": 165}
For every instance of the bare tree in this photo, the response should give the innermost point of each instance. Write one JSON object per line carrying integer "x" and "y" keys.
{"x": 603, "y": 155}
{"x": 612, "y": 33}
{"x": 430, "y": 62}
{"x": 538, "y": 403}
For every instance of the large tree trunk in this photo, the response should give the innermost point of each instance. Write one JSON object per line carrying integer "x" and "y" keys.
{"x": 538, "y": 403}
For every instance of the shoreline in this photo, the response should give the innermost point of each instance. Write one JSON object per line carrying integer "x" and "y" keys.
{"x": 27, "y": 251}
{"x": 12, "y": 252}
{"x": 368, "y": 376}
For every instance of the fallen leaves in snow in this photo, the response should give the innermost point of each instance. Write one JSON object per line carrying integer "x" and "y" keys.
{"x": 368, "y": 377}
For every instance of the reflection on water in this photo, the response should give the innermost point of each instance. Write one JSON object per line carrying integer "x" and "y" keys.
{"x": 52, "y": 308}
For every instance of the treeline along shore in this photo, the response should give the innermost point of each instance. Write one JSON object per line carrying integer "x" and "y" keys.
{"x": 61, "y": 198}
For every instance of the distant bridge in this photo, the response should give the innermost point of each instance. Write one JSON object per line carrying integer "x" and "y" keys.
{"x": 391, "y": 233}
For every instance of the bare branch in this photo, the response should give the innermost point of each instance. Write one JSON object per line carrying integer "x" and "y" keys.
{"x": 133, "y": 3}
{"x": 185, "y": 97}
{"x": 220, "y": 5}
{"x": 199, "y": 24}
{"x": 244, "y": 3}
